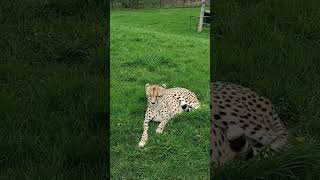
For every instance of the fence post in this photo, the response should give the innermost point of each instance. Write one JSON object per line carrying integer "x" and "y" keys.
{"x": 201, "y": 15}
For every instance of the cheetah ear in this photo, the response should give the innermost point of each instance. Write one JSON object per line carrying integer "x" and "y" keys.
{"x": 164, "y": 86}
{"x": 147, "y": 85}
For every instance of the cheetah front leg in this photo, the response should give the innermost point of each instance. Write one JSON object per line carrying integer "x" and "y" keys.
{"x": 148, "y": 117}
{"x": 163, "y": 124}
{"x": 144, "y": 136}
{"x": 167, "y": 115}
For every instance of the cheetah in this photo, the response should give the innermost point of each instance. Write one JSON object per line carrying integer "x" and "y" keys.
{"x": 243, "y": 124}
{"x": 164, "y": 104}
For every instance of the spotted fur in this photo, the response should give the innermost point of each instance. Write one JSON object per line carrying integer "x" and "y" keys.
{"x": 164, "y": 104}
{"x": 243, "y": 123}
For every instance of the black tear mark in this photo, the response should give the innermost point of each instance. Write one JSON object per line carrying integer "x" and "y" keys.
{"x": 238, "y": 143}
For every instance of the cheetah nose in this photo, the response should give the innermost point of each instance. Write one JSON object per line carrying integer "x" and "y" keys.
{"x": 153, "y": 102}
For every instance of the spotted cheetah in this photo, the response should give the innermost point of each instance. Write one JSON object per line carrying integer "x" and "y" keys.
{"x": 243, "y": 124}
{"x": 164, "y": 104}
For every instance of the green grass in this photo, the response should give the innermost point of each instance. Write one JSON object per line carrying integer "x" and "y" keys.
{"x": 156, "y": 46}
{"x": 53, "y": 92}
{"x": 273, "y": 47}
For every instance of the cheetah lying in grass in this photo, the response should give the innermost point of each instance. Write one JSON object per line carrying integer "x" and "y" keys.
{"x": 243, "y": 124}
{"x": 164, "y": 104}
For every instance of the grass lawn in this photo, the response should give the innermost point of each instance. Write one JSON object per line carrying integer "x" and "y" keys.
{"x": 273, "y": 47}
{"x": 156, "y": 46}
{"x": 52, "y": 90}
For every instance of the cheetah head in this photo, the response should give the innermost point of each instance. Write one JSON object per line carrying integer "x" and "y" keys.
{"x": 154, "y": 93}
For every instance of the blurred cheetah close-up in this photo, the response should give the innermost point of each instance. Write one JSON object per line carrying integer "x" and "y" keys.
{"x": 242, "y": 124}
{"x": 164, "y": 104}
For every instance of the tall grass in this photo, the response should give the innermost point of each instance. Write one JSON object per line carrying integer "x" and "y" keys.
{"x": 53, "y": 91}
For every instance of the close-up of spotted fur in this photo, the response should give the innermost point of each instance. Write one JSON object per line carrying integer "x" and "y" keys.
{"x": 164, "y": 104}
{"x": 243, "y": 124}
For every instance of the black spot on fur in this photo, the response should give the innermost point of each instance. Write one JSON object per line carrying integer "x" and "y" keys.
{"x": 217, "y": 117}
{"x": 222, "y": 113}
{"x": 214, "y": 132}
{"x": 245, "y": 126}
{"x": 244, "y": 117}
{"x": 224, "y": 123}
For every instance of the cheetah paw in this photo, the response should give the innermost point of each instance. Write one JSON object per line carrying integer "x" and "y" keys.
{"x": 142, "y": 144}
{"x": 159, "y": 130}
